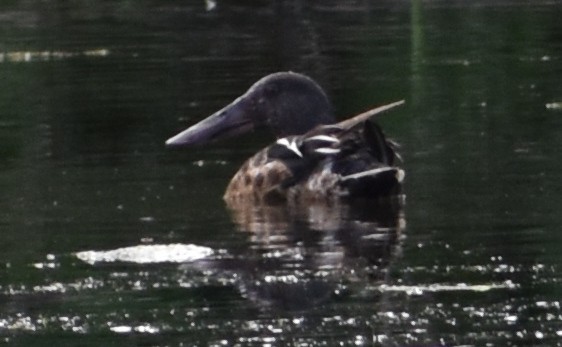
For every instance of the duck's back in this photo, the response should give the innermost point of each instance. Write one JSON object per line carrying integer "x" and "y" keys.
{"x": 328, "y": 162}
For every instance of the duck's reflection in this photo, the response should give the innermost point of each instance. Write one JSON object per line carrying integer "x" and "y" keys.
{"x": 301, "y": 255}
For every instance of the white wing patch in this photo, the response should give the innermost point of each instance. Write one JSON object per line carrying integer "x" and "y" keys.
{"x": 325, "y": 141}
{"x": 327, "y": 150}
{"x": 291, "y": 145}
{"x": 325, "y": 138}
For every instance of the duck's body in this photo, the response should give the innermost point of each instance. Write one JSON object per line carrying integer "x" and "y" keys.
{"x": 313, "y": 158}
{"x": 348, "y": 159}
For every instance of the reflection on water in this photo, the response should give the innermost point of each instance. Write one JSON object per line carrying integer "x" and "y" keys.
{"x": 301, "y": 255}
{"x": 90, "y": 90}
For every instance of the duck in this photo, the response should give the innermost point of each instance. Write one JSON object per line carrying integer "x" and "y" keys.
{"x": 313, "y": 157}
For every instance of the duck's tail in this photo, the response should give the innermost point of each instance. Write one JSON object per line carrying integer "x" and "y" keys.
{"x": 371, "y": 170}
{"x": 382, "y": 181}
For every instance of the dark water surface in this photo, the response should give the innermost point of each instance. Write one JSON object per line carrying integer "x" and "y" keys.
{"x": 110, "y": 239}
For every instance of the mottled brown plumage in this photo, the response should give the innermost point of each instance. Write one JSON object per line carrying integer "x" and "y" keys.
{"x": 258, "y": 179}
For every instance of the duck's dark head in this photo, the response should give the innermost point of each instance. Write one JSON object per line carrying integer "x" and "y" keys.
{"x": 287, "y": 103}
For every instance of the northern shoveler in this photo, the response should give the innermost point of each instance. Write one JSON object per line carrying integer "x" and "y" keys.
{"x": 314, "y": 157}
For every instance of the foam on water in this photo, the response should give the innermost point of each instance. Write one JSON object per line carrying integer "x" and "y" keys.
{"x": 146, "y": 254}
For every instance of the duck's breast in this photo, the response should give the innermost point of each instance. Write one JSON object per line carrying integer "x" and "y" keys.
{"x": 259, "y": 178}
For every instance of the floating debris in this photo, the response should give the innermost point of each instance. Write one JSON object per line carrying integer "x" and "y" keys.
{"x": 121, "y": 329}
{"x": 37, "y": 56}
{"x": 201, "y": 163}
{"x": 419, "y": 290}
{"x": 146, "y": 254}
{"x": 210, "y": 5}
{"x": 554, "y": 106}
{"x": 143, "y": 329}
{"x": 147, "y": 219}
